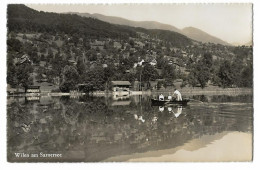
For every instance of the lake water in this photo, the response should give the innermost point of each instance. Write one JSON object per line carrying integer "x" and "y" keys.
{"x": 129, "y": 128}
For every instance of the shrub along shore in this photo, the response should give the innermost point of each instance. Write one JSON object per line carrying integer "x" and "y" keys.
{"x": 209, "y": 91}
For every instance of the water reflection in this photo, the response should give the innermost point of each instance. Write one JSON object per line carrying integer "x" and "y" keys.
{"x": 97, "y": 128}
{"x": 175, "y": 110}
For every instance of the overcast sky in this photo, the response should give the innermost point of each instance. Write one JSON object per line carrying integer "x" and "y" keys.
{"x": 229, "y": 22}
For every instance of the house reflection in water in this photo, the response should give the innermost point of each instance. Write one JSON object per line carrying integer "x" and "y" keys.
{"x": 120, "y": 100}
{"x": 121, "y": 97}
{"x": 121, "y": 103}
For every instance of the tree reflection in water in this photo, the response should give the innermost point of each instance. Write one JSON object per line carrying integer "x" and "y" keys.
{"x": 96, "y": 128}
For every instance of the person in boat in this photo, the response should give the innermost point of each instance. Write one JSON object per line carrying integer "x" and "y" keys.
{"x": 169, "y": 97}
{"x": 178, "y": 94}
{"x": 161, "y": 97}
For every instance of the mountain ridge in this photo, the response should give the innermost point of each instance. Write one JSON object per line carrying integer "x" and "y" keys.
{"x": 199, "y": 35}
{"x": 24, "y": 19}
{"x": 191, "y": 32}
{"x": 123, "y": 21}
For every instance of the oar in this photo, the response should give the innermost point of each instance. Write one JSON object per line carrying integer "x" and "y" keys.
{"x": 195, "y": 100}
{"x": 167, "y": 102}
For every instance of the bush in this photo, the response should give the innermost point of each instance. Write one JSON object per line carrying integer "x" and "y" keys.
{"x": 55, "y": 90}
{"x": 67, "y": 86}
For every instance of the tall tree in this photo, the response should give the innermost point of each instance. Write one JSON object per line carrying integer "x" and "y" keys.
{"x": 94, "y": 79}
{"x": 247, "y": 76}
{"x": 11, "y": 71}
{"x": 168, "y": 72}
{"x": 23, "y": 75}
{"x": 225, "y": 74}
{"x": 70, "y": 78}
{"x": 148, "y": 73}
{"x": 201, "y": 71}
{"x": 81, "y": 68}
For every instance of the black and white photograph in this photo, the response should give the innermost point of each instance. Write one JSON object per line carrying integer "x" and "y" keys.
{"x": 129, "y": 82}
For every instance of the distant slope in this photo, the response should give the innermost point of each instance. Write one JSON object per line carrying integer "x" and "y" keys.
{"x": 190, "y": 32}
{"x": 122, "y": 21}
{"x": 21, "y": 18}
{"x": 249, "y": 43}
{"x": 199, "y": 35}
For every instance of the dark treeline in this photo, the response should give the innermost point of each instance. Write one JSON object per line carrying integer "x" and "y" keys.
{"x": 24, "y": 19}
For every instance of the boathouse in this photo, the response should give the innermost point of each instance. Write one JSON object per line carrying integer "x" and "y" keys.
{"x": 120, "y": 86}
{"x": 33, "y": 89}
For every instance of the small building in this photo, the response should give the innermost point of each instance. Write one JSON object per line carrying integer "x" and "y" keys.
{"x": 117, "y": 45}
{"x": 33, "y": 89}
{"x": 132, "y": 50}
{"x": 81, "y": 87}
{"x": 153, "y": 62}
{"x": 98, "y": 44}
{"x": 11, "y": 90}
{"x": 93, "y": 64}
{"x": 42, "y": 63}
{"x": 126, "y": 55}
{"x": 116, "y": 64}
{"x": 49, "y": 67}
{"x": 72, "y": 62}
{"x": 120, "y": 86}
{"x": 24, "y": 59}
{"x": 139, "y": 44}
{"x": 141, "y": 62}
{"x": 104, "y": 65}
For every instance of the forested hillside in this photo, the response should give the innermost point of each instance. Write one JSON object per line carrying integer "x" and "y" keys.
{"x": 24, "y": 19}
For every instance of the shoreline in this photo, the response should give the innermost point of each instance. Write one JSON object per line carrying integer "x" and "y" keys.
{"x": 210, "y": 91}
{"x": 184, "y": 91}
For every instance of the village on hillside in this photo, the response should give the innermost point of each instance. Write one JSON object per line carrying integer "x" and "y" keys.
{"x": 89, "y": 55}
{"x": 60, "y": 63}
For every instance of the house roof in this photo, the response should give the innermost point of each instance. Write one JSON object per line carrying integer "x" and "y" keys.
{"x": 117, "y": 44}
{"x": 33, "y": 87}
{"x": 121, "y": 83}
{"x": 101, "y": 43}
{"x": 24, "y": 58}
